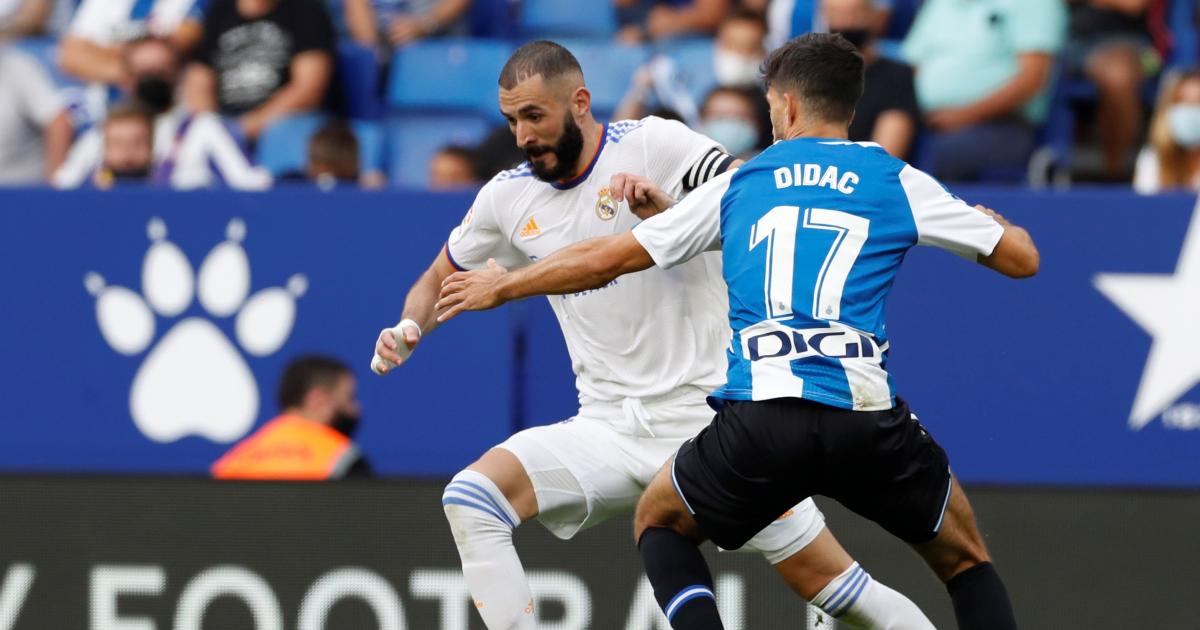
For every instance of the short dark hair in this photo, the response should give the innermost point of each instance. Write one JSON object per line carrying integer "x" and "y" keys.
{"x": 306, "y": 373}
{"x": 822, "y": 69}
{"x": 335, "y": 148}
{"x": 130, "y": 110}
{"x": 459, "y": 151}
{"x": 750, "y": 95}
{"x": 743, "y": 14}
{"x": 542, "y": 57}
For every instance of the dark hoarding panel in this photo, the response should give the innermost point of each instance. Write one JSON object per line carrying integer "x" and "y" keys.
{"x": 135, "y": 554}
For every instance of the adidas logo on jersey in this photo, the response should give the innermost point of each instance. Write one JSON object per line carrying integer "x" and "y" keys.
{"x": 531, "y": 229}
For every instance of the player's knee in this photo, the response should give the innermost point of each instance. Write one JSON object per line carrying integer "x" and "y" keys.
{"x": 474, "y": 505}
{"x": 643, "y": 519}
{"x": 957, "y": 554}
{"x": 663, "y": 516}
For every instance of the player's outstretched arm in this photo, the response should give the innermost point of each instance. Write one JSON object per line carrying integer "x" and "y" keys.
{"x": 585, "y": 265}
{"x": 1015, "y": 254}
{"x": 395, "y": 344}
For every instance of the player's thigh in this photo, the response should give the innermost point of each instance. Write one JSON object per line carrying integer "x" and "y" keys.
{"x": 507, "y": 472}
{"x": 578, "y": 471}
{"x": 958, "y": 545}
{"x": 786, "y": 536}
{"x": 662, "y": 506}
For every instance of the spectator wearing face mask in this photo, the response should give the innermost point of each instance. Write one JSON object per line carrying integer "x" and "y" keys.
{"x": 738, "y": 52}
{"x": 887, "y": 112}
{"x": 1172, "y": 159}
{"x": 312, "y": 438}
{"x": 739, "y": 49}
{"x": 190, "y": 151}
{"x": 730, "y": 116}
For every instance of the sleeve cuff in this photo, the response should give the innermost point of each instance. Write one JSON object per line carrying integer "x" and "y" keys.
{"x": 659, "y": 258}
{"x": 450, "y": 257}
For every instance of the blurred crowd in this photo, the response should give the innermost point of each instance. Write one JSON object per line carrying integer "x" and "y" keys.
{"x": 248, "y": 94}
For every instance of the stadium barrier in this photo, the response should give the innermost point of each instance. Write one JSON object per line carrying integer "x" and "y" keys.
{"x": 177, "y": 554}
{"x": 143, "y": 331}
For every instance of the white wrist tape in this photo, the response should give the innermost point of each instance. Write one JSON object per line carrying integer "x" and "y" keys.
{"x": 378, "y": 363}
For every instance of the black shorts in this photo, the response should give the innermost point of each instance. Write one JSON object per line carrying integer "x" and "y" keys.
{"x": 759, "y": 458}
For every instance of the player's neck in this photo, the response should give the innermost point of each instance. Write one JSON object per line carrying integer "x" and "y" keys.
{"x": 592, "y": 132}
{"x": 818, "y": 130}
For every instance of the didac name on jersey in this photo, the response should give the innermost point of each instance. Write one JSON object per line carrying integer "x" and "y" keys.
{"x": 816, "y": 175}
{"x": 772, "y": 340}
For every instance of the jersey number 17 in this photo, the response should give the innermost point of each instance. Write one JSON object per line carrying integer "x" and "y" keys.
{"x": 778, "y": 229}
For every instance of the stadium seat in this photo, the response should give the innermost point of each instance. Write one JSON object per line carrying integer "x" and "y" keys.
{"x": 357, "y": 96}
{"x": 695, "y": 60}
{"x": 903, "y": 13}
{"x": 1182, "y": 21}
{"x": 371, "y": 154}
{"x": 547, "y": 18}
{"x": 448, "y": 74}
{"x": 607, "y": 68}
{"x": 494, "y": 18}
{"x": 413, "y": 139}
{"x": 283, "y": 147}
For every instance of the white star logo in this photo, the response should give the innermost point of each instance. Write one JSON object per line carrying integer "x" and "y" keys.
{"x": 1168, "y": 307}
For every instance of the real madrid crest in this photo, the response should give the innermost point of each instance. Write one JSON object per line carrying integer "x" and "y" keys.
{"x": 606, "y": 208}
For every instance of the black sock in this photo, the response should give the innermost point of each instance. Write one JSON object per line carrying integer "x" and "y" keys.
{"x": 980, "y": 599}
{"x": 681, "y": 580}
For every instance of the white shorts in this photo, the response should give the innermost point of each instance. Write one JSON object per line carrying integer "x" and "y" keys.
{"x": 595, "y": 466}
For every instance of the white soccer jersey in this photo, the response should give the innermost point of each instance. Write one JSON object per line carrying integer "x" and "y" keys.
{"x": 657, "y": 333}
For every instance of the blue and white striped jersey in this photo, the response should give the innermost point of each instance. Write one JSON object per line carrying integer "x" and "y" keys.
{"x": 812, "y": 233}
{"x": 110, "y": 22}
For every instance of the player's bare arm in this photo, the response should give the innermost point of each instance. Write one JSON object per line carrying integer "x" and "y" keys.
{"x": 1015, "y": 254}
{"x": 585, "y": 265}
{"x": 418, "y": 318}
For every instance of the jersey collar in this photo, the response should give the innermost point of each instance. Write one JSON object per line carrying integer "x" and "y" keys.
{"x": 578, "y": 179}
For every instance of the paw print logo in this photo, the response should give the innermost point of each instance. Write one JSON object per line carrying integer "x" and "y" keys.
{"x": 194, "y": 381}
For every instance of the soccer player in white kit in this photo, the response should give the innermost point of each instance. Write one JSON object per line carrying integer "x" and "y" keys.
{"x": 646, "y": 351}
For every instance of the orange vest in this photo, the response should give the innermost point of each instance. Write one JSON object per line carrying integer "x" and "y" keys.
{"x": 288, "y": 447}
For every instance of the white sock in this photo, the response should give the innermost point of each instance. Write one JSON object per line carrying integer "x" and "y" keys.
{"x": 856, "y": 600}
{"x": 482, "y": 522}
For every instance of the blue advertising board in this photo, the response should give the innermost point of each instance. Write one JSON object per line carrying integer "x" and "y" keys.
{"x": 143, "y": 331}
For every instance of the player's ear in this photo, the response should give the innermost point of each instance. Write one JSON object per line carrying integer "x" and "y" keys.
{"x": 791, "y": 109}
{"x": 581, "y": 101}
